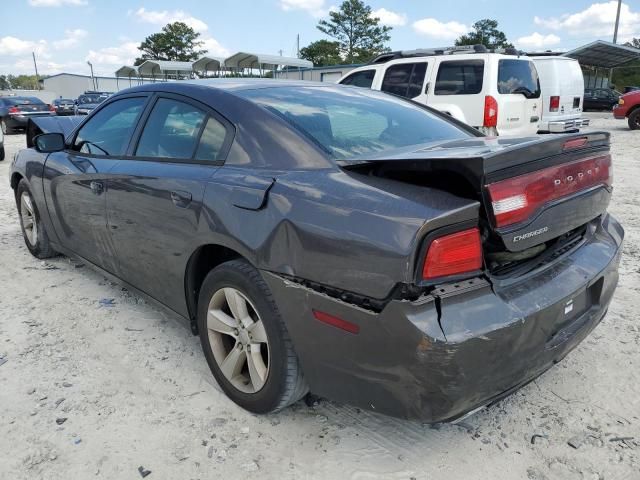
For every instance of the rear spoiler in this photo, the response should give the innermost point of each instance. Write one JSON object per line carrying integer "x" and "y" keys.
{"x": 63, "y": 125}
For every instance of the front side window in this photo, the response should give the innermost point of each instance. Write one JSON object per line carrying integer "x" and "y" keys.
{"x": 404, "y": 79}
{"x": 172, "y": 130}
{"x": 518, "y": 77}
{"x": 108, "y": 131}
{"x": 360, "y": 79}
{"x": 354, "y": 123}
{"x": 460, "y": 77}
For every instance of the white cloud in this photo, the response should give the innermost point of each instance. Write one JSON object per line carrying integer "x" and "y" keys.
{"x": 213, "y": 47}
{"x": 163, "y": 17}
{"x": 15, "y": 46}
{"x": 597, "y": 20}
{"x": 315, "y": 7}
{"x": 537, "y": 41}
{"x": 123, "y": 54}
{"x": 56, "y": 3}
{"x": 436, "y": 29}
{"x": 387, "y": 17}
{"x": 71, "y": 39}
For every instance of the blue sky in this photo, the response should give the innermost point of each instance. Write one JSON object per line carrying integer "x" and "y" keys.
{"x": 65, "y": 34}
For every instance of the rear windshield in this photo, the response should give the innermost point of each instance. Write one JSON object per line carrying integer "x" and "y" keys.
{"x": 350, "y": 123}
{"x": 518, "y": 77}
{"x": 23, "y": 101}
{"x": 91, "y": 98}
{"x": 459, "y": 77}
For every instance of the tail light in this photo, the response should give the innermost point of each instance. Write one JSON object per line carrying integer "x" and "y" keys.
{"x": 52, "y": 108}
{"x": 490, "y": 112}
{"x": 453, "y": 254}
{"x": 554, "y": 103}
{"x": 516, "y": 199}
{"x": 13, "y": 110}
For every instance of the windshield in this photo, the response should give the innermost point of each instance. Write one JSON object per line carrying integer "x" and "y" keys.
{"x": 62, "y": 100}
{"x": 518, "y": 77}
{"x": 351, "y": 122}
{"x": 91, "y": 98}
{"x": 23, "y": 101}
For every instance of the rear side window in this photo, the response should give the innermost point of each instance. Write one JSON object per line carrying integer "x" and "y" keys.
{"x": 211, "y": 141}
{"x": 518, "y": 77}
{"x": 404, "y": 79}
{"x": 107, "y": 132}
{"x": 460, "y": 77}
{"x": 172, "y": 130}
{"x": 360, "y": 79}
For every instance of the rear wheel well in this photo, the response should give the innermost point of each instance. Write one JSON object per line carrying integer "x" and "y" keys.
{"x": 15, "y": 180}
{"x": 201, "y": 262}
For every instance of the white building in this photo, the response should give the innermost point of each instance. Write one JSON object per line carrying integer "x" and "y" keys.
{"x": 71, "y": 85}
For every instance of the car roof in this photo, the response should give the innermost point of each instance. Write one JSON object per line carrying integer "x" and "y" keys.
{"x": 252, "y": 83}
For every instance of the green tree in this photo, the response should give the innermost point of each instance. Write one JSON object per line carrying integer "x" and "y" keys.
{"x": 635, "y": 42}
{"x": 18, "y": 82}
{"x": 177, "y": 41}
{"x": 485, "y": 32}
{"x": 322, "y": 53}
{"x": 358, "y": 32}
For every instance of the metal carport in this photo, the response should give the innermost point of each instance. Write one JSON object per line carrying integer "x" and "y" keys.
{"x": 603, "y": 54}
{"x": 259, "y": 61}
{"x": 208, "y": 64}
{"x": 165, "y": 69}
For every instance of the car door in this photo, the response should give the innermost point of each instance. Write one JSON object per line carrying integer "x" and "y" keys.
{"x": 76, "y": 180}
{"x": 155, "y": 195}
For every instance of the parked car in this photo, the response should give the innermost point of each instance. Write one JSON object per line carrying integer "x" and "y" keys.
{"x": 496, "y": 93}
{"x": 334, "y": 239}
{"x": 600, "y": 98}
{"x": 87, "y": 102}
{"x": 562, "y": 85}
{"x": 629, "y": 107}
{"x": 2, "y": 151}
{"x": 15, "y": 112}
{"x": 64, "y": 106}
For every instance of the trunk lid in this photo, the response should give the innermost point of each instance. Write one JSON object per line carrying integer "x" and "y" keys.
{"x": 532, "y": 190}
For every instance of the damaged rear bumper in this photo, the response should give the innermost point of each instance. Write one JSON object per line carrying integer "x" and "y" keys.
{"x": 462, "y": 347}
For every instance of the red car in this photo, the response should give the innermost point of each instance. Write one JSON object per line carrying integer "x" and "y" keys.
{"x": 629, "y": 107}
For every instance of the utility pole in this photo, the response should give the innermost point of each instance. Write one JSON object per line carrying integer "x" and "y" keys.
{"x": 298, "y": 46}
{"x": 93, "y": 79}
{"x": 35, "y": 65}
{"x": 615, "y": 30}
{"x": 615, "y": 37}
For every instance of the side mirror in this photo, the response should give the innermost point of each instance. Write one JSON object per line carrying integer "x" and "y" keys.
{"x": 49, "y": 142}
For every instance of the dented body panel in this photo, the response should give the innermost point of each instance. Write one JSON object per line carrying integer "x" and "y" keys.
{"x": 331, "y": 236}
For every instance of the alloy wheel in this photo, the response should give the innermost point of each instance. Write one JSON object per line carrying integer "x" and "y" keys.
{"x": 28, "y": 218}
{"x": 238, "y": 340}
{"x": 3, "y": 127}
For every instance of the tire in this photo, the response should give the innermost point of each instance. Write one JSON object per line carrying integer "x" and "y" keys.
{"x": 2, "y": 153}
{"x": 634, "y": 119}
{"x": 283, "y": 383}
{"x": 33, "y": 232}
{"x": 3, "y": 126}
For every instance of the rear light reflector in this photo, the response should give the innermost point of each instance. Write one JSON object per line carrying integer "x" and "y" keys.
{"x": 336, "y": 322}
{"x": 13, "y": 110}
{"x": 490, "y": 112}
{"x": 554, "y": 103}
{"x": 574, "y": 143}
{"x": 453, "y": 254}
{"x": 516, "y": 199}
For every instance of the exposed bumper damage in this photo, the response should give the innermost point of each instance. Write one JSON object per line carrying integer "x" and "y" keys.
{"x": 461, "y": 347}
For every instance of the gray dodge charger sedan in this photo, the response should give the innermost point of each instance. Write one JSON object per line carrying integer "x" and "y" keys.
{"x": 333, "y": 239}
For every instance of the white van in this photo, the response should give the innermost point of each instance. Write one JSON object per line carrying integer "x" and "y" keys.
{"x": 494, "y": 92}
{"x": 562, "y": 86}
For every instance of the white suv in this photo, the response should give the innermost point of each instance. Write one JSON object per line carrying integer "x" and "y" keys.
{"x": 494, "y": 92}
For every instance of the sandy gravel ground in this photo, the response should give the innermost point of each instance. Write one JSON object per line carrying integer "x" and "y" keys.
{"x": 135, "y": 390}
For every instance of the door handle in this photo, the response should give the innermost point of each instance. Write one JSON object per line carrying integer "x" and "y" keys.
{"x": 181, "y": 199}
{"x": 96, "y": 187}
